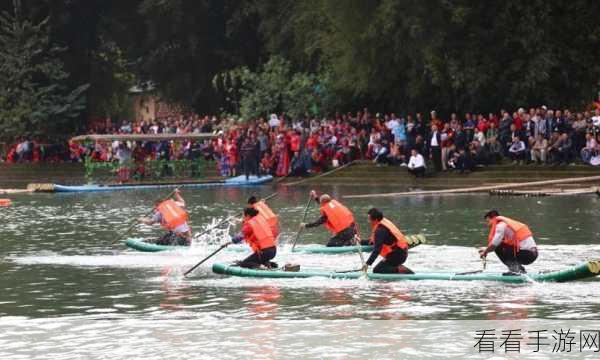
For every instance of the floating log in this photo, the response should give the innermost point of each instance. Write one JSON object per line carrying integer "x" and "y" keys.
{"x": 544, "y": 192}
{"x": 40, "y": 187}
{"x": 320, "y": 175}
{"x": 479, "y": 188}
{"x": 14, "y": 191}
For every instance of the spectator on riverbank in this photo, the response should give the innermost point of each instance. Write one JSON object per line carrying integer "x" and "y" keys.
{"x": 416, "y": 164}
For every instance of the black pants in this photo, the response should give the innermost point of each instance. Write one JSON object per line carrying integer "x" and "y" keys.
{"x": 418, "y": 171}
{"x": 391, "y": 264}
{"x": 515, "y": 263}
{"x": 259, "y": 258}
{"x": 343, "y": 238}
{"x": 249, "y": 167}
{"x": 171, "y": 238}
{"x": 436, "y": 154}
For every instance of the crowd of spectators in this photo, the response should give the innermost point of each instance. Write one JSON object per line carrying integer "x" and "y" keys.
{"x": 282, "y": 146}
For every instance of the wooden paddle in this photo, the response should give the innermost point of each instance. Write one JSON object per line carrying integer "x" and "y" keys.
{"x": 208, "y": 257}
{"x": 228, "y": 219}
{"x": 483, "y": 262}
{"x": 147, "y": 214}
{"x": 303, "y": 220}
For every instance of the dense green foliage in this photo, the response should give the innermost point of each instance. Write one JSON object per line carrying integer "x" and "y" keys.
{"x": 33, "y": 97}
{"x": 274, "y": 88}
{"x": 393, "y": 55}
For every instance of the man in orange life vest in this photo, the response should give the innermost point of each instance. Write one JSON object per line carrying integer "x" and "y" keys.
{"x": 265, "y": 211}
{"x": 512, "y": 242}
{"x": 257, "y": 233}
{"x": 171, "y": 215}
{"x": 389, "y": 243}
{"x": 336, "y": 218}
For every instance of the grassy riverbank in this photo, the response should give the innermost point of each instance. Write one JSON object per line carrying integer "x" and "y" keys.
{"x": 361, "y": 173}
{"x": 364, "y": 173}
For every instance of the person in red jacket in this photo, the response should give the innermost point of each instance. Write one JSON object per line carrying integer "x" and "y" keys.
{"x": 336, "y": 218}
{"x": 512, "y": 241}
{"x": 171, "y": 215}
{"x": 257, "y": 233}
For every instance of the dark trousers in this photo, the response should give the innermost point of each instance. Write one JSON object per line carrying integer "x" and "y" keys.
{"x": 392, "y": 263}
{"x": 257, "y": 259}
{"x": 249, "y": 167}
{"x": 419, "y": 171}
{"x": 436, "y": 154}
{"x": 515, "y": 263}
{"x": 343, "y": 238}
{"x": 171, "y": 238}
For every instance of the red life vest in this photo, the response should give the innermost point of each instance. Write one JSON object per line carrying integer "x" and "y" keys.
{"x": 400, "y": 239}
{"x": 262, "y": 237}
{"x": 520, "y": 232}
{"x": 338, "y": 216}
{"x": 265, "y": 211}
{"x": 172, "y": 214}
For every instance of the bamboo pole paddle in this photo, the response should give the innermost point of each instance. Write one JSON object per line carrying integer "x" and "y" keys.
{"x": 303, "y": 220}
{"x": 362, "y": 258}
{"x": 146, "y": 214}
{"x": 206, "y": 258}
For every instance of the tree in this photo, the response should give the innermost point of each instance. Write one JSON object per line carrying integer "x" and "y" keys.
{"x": 275, "y": 88}
{"x": 34, "y": 99}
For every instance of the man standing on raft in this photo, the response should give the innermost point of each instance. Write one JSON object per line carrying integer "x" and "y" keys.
{"x": 257, "y": 233}
{"x": 265, "y": 211}
{"x": 512, "y": 242}
{"x": 389, "y": 243}
{"x": 172, "y": 217}
{"x": 336, "y": 218}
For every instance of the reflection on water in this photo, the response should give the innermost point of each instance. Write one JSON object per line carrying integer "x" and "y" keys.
{"x": 57, "y": 260}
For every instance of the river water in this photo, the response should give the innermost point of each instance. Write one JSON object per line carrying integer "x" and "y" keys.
{"x": 62, "y": 275}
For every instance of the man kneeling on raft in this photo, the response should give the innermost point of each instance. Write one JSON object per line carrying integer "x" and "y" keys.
{"x": 258, "y": 234}
{"x": 389, "y": 243}
{"x": 336, "y": 218}
{"x": 512, "y": 242}
{"x": 172, "y": 217}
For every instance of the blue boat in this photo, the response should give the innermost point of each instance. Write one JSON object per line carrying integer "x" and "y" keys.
{"x": 235, "y": 181}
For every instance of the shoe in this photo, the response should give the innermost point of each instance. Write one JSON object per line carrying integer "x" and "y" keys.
{"x": 404, "y": 270}
{"x": 510, "y": 273}
{"x": 273, "y": 265}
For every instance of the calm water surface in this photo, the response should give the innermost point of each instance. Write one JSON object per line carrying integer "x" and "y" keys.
{"x": 58, "y": 262}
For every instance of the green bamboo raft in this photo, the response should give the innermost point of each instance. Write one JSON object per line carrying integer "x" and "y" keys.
{"x": 141, "y": 245}
{"x": 413, "y": 240}
{"x": 586, "y": 270}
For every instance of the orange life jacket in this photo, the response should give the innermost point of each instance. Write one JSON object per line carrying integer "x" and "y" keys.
{"x": 172, "y": 214}
{"x": 400, "y": 239}
{"x": 520, "y": 230}
{"x": 338, "y": 216}
{"x": 262, "y": 237}
{"x": 265, "y": 211}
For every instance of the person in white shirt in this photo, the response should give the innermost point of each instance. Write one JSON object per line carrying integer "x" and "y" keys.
{"x": 511, "y": 240}
{"x": 393, "y": 123}
{"x": 416, "y": 164}
{"x": 274, "y": 121}
{"x": 517, "y": 150}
